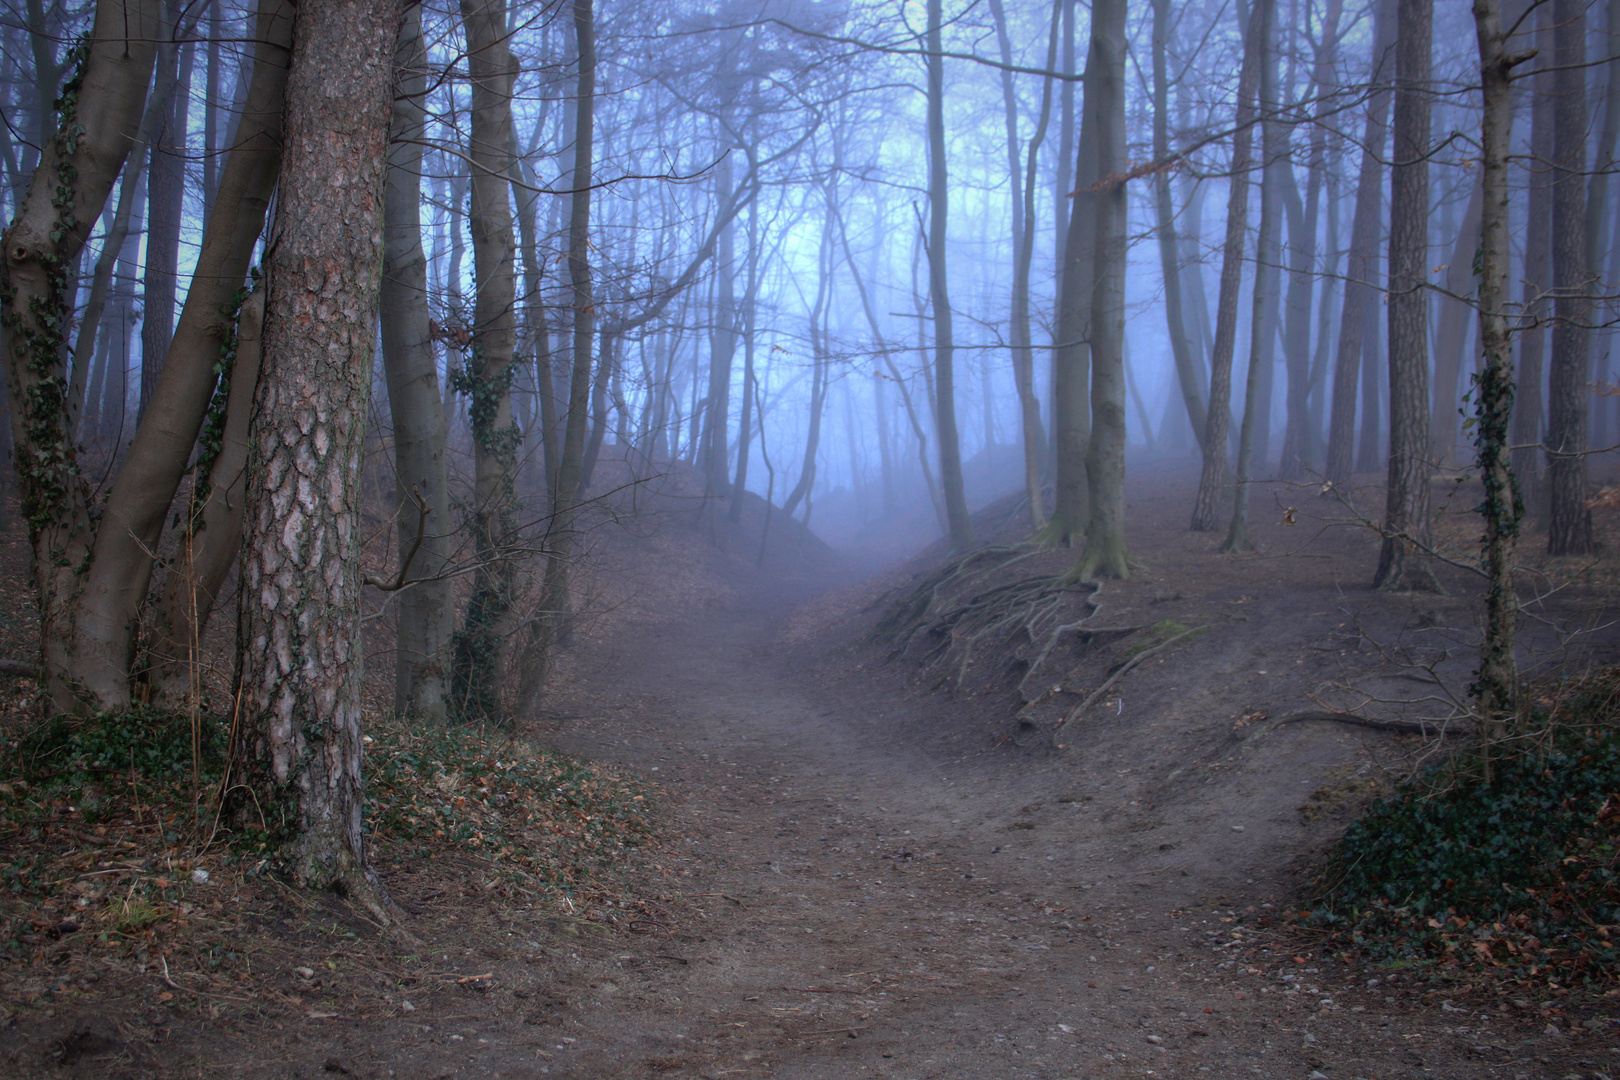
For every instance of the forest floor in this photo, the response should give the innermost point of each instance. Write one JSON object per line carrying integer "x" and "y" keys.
{"x": 863, "y": 874}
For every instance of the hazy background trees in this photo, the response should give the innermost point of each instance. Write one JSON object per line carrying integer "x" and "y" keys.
{"x": 883, "y": 264}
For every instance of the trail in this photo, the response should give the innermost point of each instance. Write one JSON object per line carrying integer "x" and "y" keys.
{"x": 858, "y": 907}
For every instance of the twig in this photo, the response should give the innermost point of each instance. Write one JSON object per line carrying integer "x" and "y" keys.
{"x": 1124, "y": 669}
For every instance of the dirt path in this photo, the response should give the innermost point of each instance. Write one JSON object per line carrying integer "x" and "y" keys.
{"x": 858, "y": 908}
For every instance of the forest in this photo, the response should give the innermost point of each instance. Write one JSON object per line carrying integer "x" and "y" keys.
{"x": 579, "y": 517}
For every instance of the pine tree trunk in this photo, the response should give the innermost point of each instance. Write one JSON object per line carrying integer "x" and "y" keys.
{"x": 1529, "y": 403}
{"x": 1569, "y": 520}
{"x": 1451, "y": 339}
{"x": 1401, "y": 563}
{"x": 297, "y": 757}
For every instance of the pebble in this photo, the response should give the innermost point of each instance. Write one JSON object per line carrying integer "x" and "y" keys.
{"x": 1155, "y": 1040}
{"x": 1319, "y": 1075}
{"x": 199, "y": 877}
{"x": 1237, "y": 828}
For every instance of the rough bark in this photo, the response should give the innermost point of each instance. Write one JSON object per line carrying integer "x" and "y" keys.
{"x": 1401, "y": 563}
{"x": 426, "y": 616}
{"x": 297, "y": 755}
{"x": 1569, "y": 520}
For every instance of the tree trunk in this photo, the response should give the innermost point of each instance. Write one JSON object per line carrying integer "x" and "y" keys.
{"x": 481, "y": 644}
{"x": 950, "y": 448}
{"x": 1213, "y": 476}
{"x": 103, "y": 101}
{"x": 1569, "y": 520}
{"x": 722, "y": 348}
{"x": 1529, "y": 404}
{"x": 297, "y": 754}
{"x": 1071, "y": 352}
{"x": 211, "y": 537}
{"x": 1169, "y": 245}
{"x": 1361, "y": 261}
{"x": 132, "y": 520}
{"x": 1106, "y": 554}
{"x": 165, "y": 197}
{"x": 547, "y": 625}
{"x": 1021, "y": 183}
{"x": 1451, "y": 339}
{"x": 1497, "y": 682}
{"x": 427, "y": 611}
{"x": 1268, "y": 256}
{"x": 1300, "y": 432}
{"x": 1401, "y": 563}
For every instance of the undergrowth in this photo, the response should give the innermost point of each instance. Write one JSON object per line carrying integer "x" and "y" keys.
{"x": 1507, "y": 868}
{"x": 104, "y": 821}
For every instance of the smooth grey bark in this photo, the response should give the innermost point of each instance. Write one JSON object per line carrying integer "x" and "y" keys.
{"x": 1268, "y": 258}
{"x": 211, "y": 535}
{"x": 1361, "y": 274}
{"x": 1169, "y": 244}
{"x": 481, "y": 644}
{"x": 426, "y": 617}
{"x": 950, "y": 448}
{"x": 1451, "y": 339}
{"x": 1021, "y": 186}
{"x": 1529, "y": 404}
{"x": 1299, "y": 434}
{"x": 1106, "y": 554}
{"x": 1496, "y": 685}
{"x": 165, "y": 196}
{"x": 548, "y": 624}
{"x": 1213, "y": 475}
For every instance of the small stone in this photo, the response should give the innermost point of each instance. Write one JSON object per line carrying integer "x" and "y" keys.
{"x": 1319, "y": 1075}
{"x": 304, "y": 972}
{"x": 1155, "y": 1040}
{"x": 406, "y": 1006}
{"x": 1237, "y": 828}
{"x": 199, "y": 877}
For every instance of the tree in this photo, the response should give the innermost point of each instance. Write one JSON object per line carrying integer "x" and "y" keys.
{"x": 296, "y": 758}
{"x": 1105, "y": 553}
{"x": 1406, "y": 510}
{"x": 1213, "y": 474}
{"x": 1361, "y": 261}
{"x": 1569, "y": 520}
{"x": 950, "y": 451}
{"x": 416, "y": 406}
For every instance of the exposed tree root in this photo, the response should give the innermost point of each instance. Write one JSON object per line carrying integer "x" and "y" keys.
{"x": 1124, "y": 669}
{"x": 1399, "y": 727}
{"x": 944, "y": 611}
